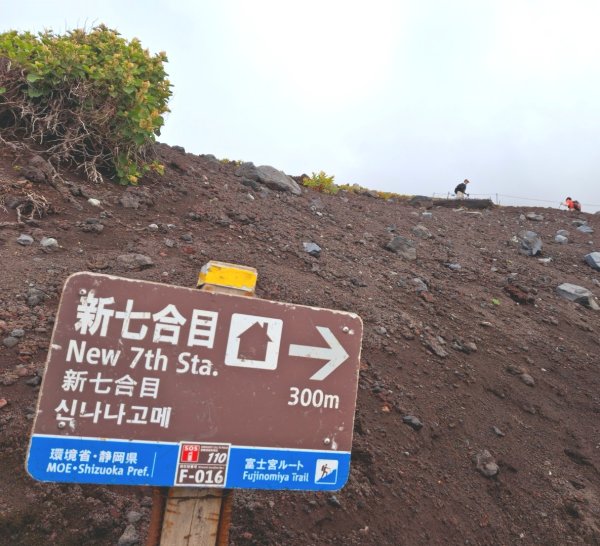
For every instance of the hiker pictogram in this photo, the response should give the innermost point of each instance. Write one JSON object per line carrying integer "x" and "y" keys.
{"x": 326, "y": 471}
{"x": 253, "y": 342}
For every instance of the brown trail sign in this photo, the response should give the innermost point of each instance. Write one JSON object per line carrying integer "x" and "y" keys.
{"x": 150, "y": 384}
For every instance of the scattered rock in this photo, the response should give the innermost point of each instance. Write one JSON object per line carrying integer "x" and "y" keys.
{"x": 420, "y": 285}
{"x": 534, "y": 217}
{"x": 585, "y": 229}
{"x": 18, "y": 332}
{"x": 49, "y": 243}
{"x": 454, "y": 267}
{"x": 313, "y": 249}
{"x": 527, "y": 379}
{"x": 269, "y": 176}
{"x": 334, "y": 501}
{"x": 531, "y": 243}
{"x": 434, "y": 345}
{"x": 133, "y": 516}
{"x": 421, "y": 201}
{"x": 135, "y": 261}
{"x": 413, "y": 422}
{"x": 34, "y": 381}
{"x": 381, "y": 330}
{"x": 94, "y": 202}
{"x": 25, "y": 240}
{"x": 498, "y": 432}
{"x": 593, "y": 260}
{"x": 561, "y": 239}
{"x": 38, "y": 170}
{"x": 136, "y": 197}
{"x": 10, "y": 342}
{"x": 92, "y": 225}
{"x": 422, "y": 232}
{"x": 485, "y": 463}
{"x": 562, "y": 232}
{"x": 402, "y": 246}
{"x": 130, "y": 537}
{"x": 578, "y": 294}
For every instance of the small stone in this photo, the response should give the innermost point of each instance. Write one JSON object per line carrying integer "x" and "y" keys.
{"x": 25, "y": 240}
{"x": 49, "y": 243}
{"x": 421, "y": 231}
{"x": 527, "y": 379}
{"x": 153, "y": 227}
{"x": 420, "y": 285}
{"x": 380, "y": 330}
{"x": 129, "y": 537}
{"x": 187, "y": 237}
{"x": 18, "y": 332}
{"x": 498, "y": 432}
{"x": 3, "y": 402}
{"x": 170, "y": 243}
{"x": 454, "y": 267}
{"x": 561, "y": 239}
{"x": 534, "y": 217}
{"x": 402, "y": 246}
{"x": 94, "y": 202}
{"x": 334, "y": 501}
{"x": 34, "y": 381}
{"x": 10, "y": 342}
{"x": 470, "y": 347}
{"x": 133, "y": 516}
{"x": 485, "y": 463}
{"x": 135, "y": 261}
{"x": 413, "y": 422}
{"x": 313, "y": 249}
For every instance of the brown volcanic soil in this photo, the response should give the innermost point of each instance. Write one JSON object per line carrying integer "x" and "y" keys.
{"x": 406, "y": 487}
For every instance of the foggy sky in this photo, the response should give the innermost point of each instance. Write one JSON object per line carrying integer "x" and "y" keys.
{"x": 410, "y": 97}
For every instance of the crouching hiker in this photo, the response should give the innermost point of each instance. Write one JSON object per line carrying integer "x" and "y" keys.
{"x": 572, "y": 204}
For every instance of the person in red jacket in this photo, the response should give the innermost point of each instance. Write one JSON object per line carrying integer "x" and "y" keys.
{"x": 572, "y": 204}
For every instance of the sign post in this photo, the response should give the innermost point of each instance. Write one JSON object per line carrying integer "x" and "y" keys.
{"x": 151, "y": 384}
{"x": 196, "y": 516}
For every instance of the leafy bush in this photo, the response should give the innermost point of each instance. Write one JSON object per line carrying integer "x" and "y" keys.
{"x": 90, "y": 97}
{"x": 321, "y": 182}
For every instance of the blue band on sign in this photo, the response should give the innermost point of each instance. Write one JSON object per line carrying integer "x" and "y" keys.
{"x": 186, "y": 464}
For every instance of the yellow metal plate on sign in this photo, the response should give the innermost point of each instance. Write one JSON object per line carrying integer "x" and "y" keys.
{"x": 228, "y": 275}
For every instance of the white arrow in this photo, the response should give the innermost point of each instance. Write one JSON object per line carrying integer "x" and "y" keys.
{"x": 335, "y": 353}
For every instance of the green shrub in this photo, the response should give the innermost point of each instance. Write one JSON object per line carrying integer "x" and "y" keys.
{"x": 321, "y": 182}
{"x": 91, "y": 98}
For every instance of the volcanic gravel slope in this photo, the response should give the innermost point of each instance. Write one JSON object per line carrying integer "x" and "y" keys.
{"x": 458, "y": 356}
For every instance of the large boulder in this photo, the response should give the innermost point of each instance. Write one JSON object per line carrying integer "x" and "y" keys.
{"x": 593, "y": 260}
{"x": 421, "y": 201}
{"x": 578, "y": 294}
{"x": 269, "y": 177}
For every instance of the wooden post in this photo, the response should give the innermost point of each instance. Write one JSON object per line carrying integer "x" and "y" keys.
{"x": 197, "y": 516}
